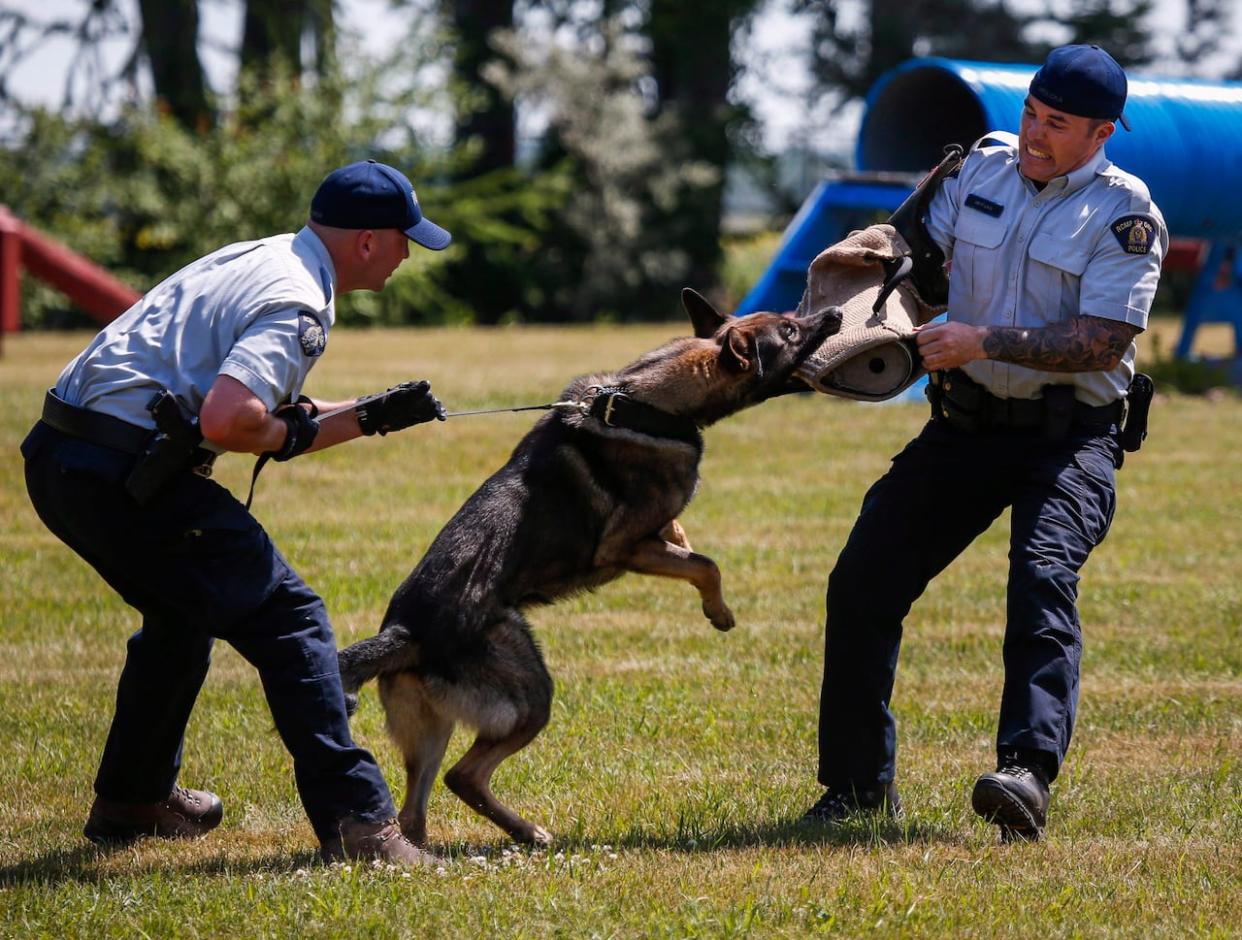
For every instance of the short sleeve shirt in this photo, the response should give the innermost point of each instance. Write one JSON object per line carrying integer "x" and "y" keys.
{"x": 257, "y": 311}
{"x": 1090, "y": 243}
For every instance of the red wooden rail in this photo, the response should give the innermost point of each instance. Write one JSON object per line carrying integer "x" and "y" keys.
{"x": 89, "y": 286}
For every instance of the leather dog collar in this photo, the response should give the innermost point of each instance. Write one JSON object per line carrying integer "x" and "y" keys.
{"x": 618, "y": 410}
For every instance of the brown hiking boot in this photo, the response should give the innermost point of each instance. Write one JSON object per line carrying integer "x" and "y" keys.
{"x": 186, "y": 814}
{"x": 378, "y": 840}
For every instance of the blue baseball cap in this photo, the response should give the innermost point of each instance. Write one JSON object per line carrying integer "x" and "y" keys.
{"x": 1083, "y": 80}
{"x": 374, "y": 195}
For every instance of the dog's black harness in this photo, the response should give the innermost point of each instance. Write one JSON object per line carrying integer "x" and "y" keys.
{"x": 612, "y": 406}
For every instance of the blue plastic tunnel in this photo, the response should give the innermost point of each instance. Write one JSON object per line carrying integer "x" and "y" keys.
{"x": 1186, "y": 142}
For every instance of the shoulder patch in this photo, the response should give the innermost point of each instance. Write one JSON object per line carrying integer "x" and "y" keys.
{"x": 311, "y": 335}
{"x": 1134, "y": 233}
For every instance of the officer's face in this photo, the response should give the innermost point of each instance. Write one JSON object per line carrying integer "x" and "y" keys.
{"x": 386, "y": 249}
{"x": 1052, "y": 143}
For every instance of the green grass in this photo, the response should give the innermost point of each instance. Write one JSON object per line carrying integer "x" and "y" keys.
{"x": 677, "y": 759}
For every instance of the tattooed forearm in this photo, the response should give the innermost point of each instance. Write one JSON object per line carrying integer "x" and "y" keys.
{"x": 1080, "y": 344}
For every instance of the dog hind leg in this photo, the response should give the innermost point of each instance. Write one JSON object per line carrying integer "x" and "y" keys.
{"x": 422, "y": 734}
{"x": 510, "y": 702}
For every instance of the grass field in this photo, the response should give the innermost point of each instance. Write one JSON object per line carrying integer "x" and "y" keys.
{"x": 678, "y": 759}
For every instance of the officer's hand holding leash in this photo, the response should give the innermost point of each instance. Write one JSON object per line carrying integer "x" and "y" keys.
{"x": 399, "y": 407}
{"x": 394, "y": 409}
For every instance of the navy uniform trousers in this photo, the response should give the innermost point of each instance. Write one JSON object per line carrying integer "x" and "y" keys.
{"x": 943, "y": 490}
{"x": 197, "y": 565}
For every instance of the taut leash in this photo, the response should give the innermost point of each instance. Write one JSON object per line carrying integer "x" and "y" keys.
{"x": 582, "y": 406}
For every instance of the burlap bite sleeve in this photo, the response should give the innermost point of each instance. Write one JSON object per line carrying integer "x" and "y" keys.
{"x": 873, "y": 356}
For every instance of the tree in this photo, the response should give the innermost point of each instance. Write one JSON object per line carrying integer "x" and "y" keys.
{"x": 693, "y": 67}
{"x": 170, "y": 40}
{"x": 847, "y": 61}
{"x": 485, "y": 122}
{"x": 272, "y": 34}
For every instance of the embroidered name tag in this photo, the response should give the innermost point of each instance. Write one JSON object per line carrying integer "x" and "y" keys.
{"x": 986, "y": 206}
{"x": 311, "y": 335}
{"x": 1134, "y": 233}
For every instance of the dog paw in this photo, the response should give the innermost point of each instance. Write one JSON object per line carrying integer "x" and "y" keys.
{"x": 540, "y": 836}
{"x": 351, "y": 703}
{"x": 721, "y": 617}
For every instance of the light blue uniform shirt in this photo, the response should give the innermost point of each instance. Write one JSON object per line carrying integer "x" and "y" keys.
{"x": 257, "y": 311}
{"x": 1089, "y": 244}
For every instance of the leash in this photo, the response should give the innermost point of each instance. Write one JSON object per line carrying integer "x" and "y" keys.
{"x": 582, "y": 406}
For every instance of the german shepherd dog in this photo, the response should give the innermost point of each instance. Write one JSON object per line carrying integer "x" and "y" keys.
{"x": 586, "y": 496}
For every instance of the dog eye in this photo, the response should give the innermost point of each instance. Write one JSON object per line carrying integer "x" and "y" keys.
{"x": 788, "y": 330}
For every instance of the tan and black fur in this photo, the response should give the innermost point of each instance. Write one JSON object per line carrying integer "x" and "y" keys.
{"x": 578, "y": 504}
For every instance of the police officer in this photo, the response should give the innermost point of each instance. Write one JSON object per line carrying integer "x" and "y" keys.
{"x": 230, "y": 339}
{"x": 1055, "y": 254}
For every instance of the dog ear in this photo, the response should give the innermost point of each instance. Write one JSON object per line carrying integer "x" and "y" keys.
{"x": 705, "y": 318}
{"x": 736, "y": 350}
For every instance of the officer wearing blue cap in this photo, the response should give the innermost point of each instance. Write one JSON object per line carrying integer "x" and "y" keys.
{"x": 1054, "y": 255}
{"x": 214, "y": 359}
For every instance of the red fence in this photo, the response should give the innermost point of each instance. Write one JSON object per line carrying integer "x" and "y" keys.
{"x": 89, "y": 286}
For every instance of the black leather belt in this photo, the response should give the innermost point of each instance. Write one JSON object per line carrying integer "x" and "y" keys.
{"x": 1021, "y": 413}
{"x": 94, "y": 426}
{"x": 107, "y": 431}
{"x": 963, "y": 402}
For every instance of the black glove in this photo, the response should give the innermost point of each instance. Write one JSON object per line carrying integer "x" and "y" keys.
{"x": 302, "y": 431}
{"x": 399, "y": 407}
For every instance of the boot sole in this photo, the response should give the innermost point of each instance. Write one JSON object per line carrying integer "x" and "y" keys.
{"x": 997, "y": 805}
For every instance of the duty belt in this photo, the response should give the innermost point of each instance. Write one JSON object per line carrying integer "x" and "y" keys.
{"x": 965, "y": 404}
{"x": 107, "y": 431}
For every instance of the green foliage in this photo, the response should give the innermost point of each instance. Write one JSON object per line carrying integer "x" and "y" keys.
{"x": 607, "y": 255}
{"x": 143, "y": 196}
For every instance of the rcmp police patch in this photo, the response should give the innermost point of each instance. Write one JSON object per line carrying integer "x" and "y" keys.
{"x": 1134, "y": 233}
{"x": 311, "y": 335}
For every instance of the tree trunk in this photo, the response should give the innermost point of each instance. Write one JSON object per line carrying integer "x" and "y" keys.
{"x": 271, "y": 33}
{"x": 488, "y": 120}
{"x": 693, "y": 70}
{"x": 170, "y": 40}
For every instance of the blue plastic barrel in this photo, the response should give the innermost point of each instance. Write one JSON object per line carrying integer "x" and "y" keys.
{"x": 1186, "y": 142}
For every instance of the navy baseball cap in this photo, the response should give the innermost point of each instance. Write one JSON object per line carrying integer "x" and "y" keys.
{"x": 374, "y": 195}
{"x": 1083, "y": 80}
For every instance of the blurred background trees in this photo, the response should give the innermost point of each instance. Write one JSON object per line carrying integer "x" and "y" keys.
{"x": 581, "y": 151}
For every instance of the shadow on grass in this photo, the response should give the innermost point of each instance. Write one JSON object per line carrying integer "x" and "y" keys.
{"x": 89, "y": 863}
{"x": 788, "y": 833}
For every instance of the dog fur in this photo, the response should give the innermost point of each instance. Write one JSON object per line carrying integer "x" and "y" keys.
{"x": 578, "y": 503}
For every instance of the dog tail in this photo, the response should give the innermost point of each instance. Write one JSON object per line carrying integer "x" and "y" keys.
{"x": 390, "y": 650}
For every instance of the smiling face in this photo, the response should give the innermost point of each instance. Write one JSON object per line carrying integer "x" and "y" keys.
{"x": 1052, "y": 143}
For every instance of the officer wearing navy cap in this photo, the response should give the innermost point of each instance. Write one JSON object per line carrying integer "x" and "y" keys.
{"x": 214, "y": 359}
{"x": 1054, "y": 258}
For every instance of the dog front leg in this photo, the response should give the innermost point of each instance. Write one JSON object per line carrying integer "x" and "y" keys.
{"x": 668, "y": 560}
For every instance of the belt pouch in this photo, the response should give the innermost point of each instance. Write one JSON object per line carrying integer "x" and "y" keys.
{"x": 962, "y": 401}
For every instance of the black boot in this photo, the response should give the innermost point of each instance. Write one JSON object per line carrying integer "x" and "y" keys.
{"x": 840, "y": 805}
{"x": 1015, "y": 796}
